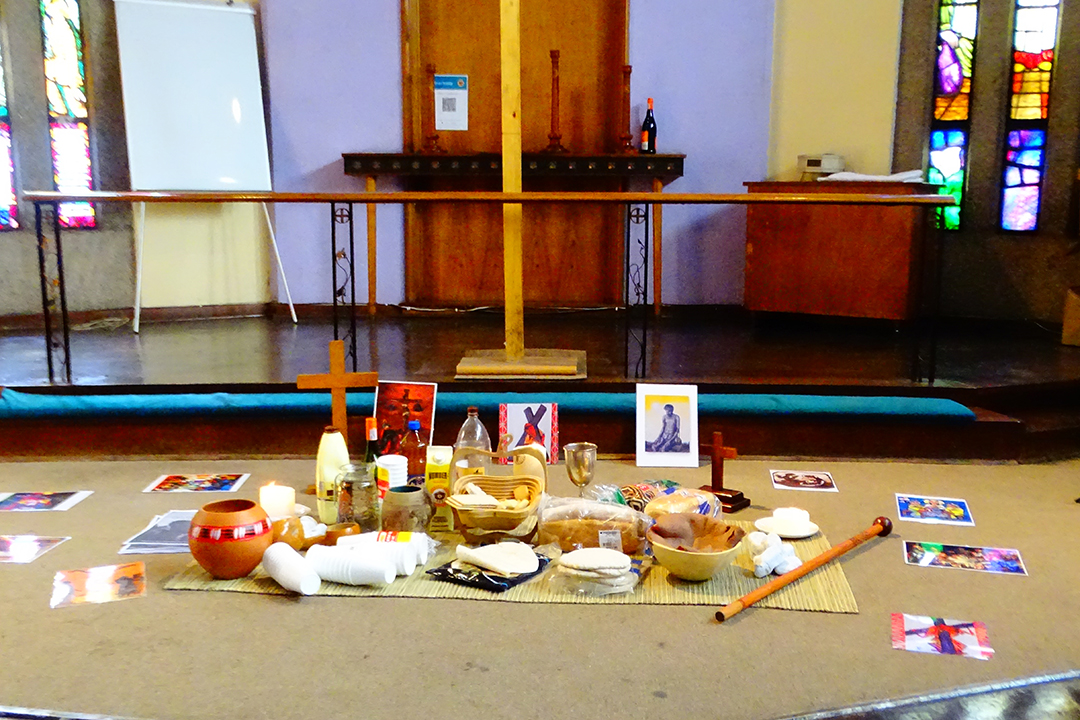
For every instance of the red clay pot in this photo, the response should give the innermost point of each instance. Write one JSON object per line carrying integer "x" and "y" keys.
{"x": 228, "y": 537}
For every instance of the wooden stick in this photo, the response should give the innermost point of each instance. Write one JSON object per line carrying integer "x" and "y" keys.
{"x": 882, "y": 526}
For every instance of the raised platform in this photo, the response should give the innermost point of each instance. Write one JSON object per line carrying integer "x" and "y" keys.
{"x": 1022, "y": 385}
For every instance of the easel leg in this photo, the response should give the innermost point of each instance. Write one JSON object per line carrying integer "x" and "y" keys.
{"x": 140, "y": 236}
{"x": 277, "y": 255}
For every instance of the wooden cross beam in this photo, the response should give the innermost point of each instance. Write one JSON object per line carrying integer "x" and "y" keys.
{"x": 337, "y": 381}
{"x": 731, "y": 500}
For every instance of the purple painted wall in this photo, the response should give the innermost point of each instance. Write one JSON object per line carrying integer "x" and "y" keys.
{"x": 334, "y": 86}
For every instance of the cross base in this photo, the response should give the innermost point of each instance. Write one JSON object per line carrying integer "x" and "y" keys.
{"x": 730, "y": 500}
{"x": 495, "y": 365}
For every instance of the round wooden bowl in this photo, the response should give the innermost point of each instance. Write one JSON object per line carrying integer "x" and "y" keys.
{"x": 228, "y": 537}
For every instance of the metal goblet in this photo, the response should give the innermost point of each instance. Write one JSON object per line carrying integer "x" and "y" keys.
{"x": 580, "y": 464}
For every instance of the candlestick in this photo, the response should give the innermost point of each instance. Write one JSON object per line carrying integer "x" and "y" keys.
{"x": 278, "y": 500}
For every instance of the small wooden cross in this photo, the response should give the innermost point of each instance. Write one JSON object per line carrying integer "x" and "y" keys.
{"x": 336, "y": 381}
{"x": 731, "y": 500}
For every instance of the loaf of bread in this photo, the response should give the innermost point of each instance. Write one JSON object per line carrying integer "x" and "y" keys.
{"x": 683, "y": 500}
{"x": 576, "y": 524}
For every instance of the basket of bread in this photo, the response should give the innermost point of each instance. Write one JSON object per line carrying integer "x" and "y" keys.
{"x": 489, "y": 507}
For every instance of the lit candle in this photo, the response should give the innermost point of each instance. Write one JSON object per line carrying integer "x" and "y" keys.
{"x": 277, "y": 500}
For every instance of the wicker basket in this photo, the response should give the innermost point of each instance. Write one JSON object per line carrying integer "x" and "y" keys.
{"x": 501, "y": 487}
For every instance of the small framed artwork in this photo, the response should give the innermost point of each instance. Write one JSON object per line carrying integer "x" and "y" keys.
{"x": 667, "y": 427}
{"x": 531, "y": 424}
{"x": 398, "y": 402}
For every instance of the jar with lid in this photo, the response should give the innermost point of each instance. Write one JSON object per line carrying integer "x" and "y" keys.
{"x": 358, "y": 497}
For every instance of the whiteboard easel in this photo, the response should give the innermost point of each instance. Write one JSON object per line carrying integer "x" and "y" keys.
{"x": 193, "y": 105}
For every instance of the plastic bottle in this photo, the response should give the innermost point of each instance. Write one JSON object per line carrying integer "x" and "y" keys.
{"x": 415, "y": 449}
{"x": 474, "y": 435}
{"x": 332, "y": 455}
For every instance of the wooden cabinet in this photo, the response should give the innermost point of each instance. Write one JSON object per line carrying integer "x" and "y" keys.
{"x": 848, "y": 260}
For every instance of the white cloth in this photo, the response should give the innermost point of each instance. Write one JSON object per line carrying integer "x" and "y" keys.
{"x": 906, "y": 176}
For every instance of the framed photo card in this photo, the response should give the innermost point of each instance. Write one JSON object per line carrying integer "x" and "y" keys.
{"x": 531, "y": 424}
{"x": 667, "y": 426}
{"x": 396, "y": 401}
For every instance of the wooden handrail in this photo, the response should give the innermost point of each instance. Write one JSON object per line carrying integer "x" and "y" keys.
{"x": 659, "y": 198}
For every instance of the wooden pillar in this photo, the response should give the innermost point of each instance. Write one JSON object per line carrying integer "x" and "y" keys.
{"x": 510, "y": 46}
{"x": 371, "y": 267}
{"x": 657, "y": 248}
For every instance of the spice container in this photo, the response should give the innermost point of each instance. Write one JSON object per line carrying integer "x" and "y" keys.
{"x": 358, "y": 497}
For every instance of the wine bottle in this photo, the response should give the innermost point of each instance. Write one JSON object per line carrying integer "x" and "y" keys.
{"x": 648, "y": 131}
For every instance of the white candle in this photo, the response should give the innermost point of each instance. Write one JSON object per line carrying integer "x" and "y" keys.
{"x": 277, "y": 500}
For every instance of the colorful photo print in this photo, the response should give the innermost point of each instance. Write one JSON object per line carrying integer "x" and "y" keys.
{"x": 937, "y": 510}
{"x": 26, "y": 548}
{"x": 531, "y": 424}
{"x": 98, "y": 584}
{"x": 818, "y": 480}
{"x": 667, "y": 433}
{"x": 919, "y": 633}
{"x": 396, "y": 403}
{"x": 964, "y": 557}
{"x": 41, "y": 501}
{"x": 207, "y": 482}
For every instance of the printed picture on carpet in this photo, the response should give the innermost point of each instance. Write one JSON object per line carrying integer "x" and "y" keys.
{"x": 818, "y": 480}
{"x": 41, "y": 501}
{"x": 205, "y": 482}
{"x": 941, "y": 636}
{"x": 935, "y": 510}
{"x": 98, "y": 584}
{"x": 26, "y": 548}
{"x": 964, "y": 557}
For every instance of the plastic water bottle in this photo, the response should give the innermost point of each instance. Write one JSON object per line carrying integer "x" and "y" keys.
{"x": 474, "y": 435}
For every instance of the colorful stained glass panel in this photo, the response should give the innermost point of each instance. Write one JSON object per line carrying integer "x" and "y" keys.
{"x": 69, "y": 132}
{"x": 957, "y": 24}
{"x": 1023, "y": 175}
{"x": 9, "y": 208}
{"x": 1034, "y": 39}
{"x": 947, "y": 158}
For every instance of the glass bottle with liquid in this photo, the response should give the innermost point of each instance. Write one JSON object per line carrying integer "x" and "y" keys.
{"x": 648, "y": 132}
{"x": 358, "y": 497}
{"x": 415, "y": 450}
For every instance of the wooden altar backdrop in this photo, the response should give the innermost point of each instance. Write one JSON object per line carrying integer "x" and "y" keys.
{"x": 573, "y": 255}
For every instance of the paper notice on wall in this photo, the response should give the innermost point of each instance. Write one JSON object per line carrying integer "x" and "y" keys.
{"x": 451, "y": 102}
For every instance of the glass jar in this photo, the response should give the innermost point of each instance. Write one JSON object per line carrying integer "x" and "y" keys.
{"x": 358, "y": 497}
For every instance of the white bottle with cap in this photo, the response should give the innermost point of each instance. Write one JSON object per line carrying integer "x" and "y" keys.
{"x": 332, "y": 455}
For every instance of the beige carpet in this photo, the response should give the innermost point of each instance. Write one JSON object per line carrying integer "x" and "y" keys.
{"x": 825, "y": 589}
{"x": 215, "y": 654}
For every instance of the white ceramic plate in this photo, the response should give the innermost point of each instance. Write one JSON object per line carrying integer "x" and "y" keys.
{"x": 790, "y": 532}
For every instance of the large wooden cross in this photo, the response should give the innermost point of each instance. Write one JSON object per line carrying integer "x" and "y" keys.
{"x": 514, "y": 360}
{"x": 337, "y": 381}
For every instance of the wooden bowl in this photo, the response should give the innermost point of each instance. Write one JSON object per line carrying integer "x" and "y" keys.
{"x": 228, "y": 537}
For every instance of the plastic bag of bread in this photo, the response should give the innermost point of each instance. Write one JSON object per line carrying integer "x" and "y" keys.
{"x": 575, "y": 523}
{"x": 636, "y": 495}
{"x": 684, "y": 500}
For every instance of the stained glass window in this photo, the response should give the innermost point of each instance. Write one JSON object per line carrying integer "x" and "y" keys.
{"x": 958, "y": 22}
{"x": 8, "y": 207}
{"x": 1034, "y": 38}
{"x": 69, "y": 130}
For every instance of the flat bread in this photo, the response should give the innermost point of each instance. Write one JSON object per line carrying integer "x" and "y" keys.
{"x": 596, "y": 559}
{"x": 593, "y": 574}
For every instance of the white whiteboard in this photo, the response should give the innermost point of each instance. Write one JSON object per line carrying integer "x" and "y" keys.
{"x": 192, "y": 95}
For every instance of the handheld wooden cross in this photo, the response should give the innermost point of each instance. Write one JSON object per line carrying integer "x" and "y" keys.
{"x": 731, "y": 500}
{"x": 337, "y": 381}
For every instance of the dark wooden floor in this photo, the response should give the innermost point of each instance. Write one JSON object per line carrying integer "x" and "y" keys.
{"x": 712, "y": 346}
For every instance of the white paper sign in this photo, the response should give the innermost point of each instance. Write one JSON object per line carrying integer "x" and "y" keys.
{"x": 451, "y": 102}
